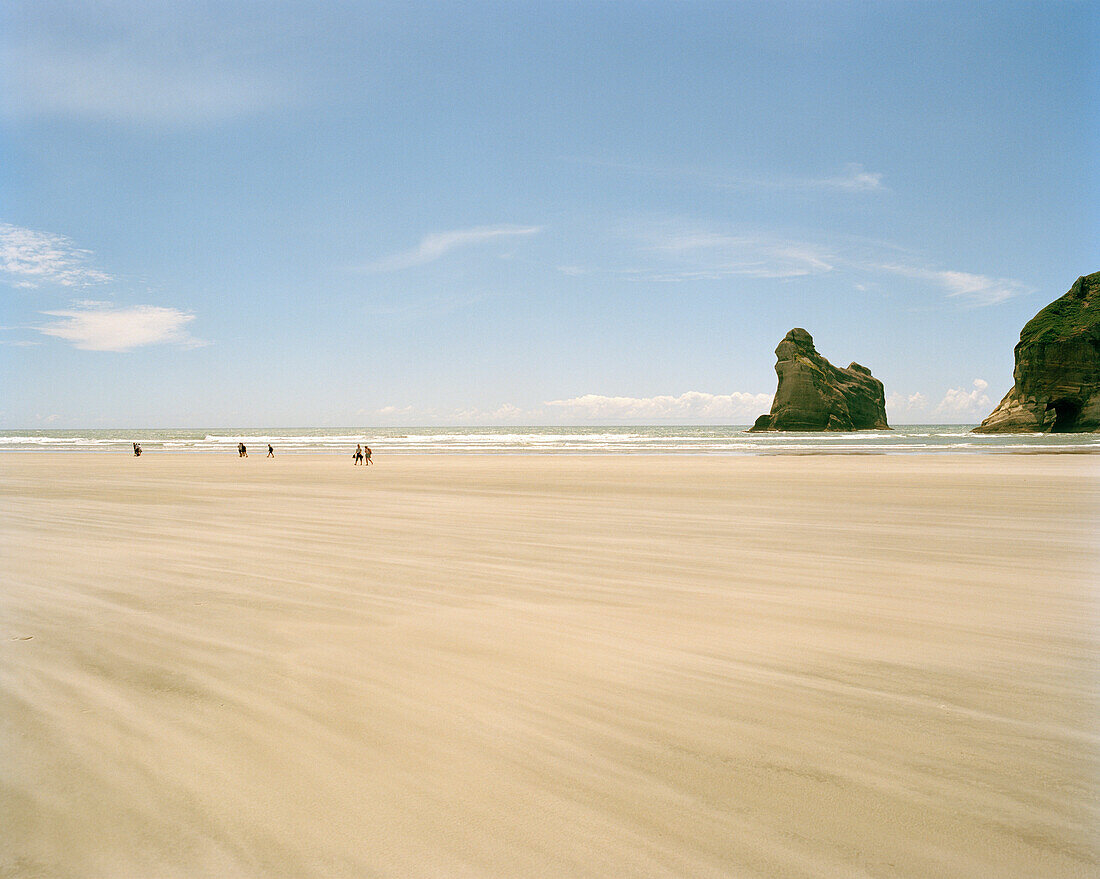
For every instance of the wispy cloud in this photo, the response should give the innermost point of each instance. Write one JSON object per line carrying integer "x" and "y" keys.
{"x": 29, "y": 259}
{"x": 136, "y": 85}
{"x": 974, "y": 290}
{"x": 852, "y": 178}
{"x": 97, "y": 326}
{"x": 979, "y": 289}
{"x": 717, "y": 256}
{"x": 672, "y": 252}
{"x": 678, "y": 250}
{"x": 690, "y": 406}
{"x": 439, "y": 244}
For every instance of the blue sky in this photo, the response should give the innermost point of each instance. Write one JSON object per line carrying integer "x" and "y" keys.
{"x": 357, "y": 214}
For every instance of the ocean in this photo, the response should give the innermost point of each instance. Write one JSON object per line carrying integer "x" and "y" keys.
{"x": 654, "y": 439}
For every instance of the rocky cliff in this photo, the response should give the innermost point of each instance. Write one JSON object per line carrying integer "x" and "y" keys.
{"x": 1057, "y": 374}
{"x": 815, "y": 395}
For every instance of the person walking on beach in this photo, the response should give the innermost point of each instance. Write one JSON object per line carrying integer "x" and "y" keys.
{"x": 366, "y": 454}
{"x": 357, "y": 458}
{"x": 137, "y": 450}
{"x": 270, "y": 450}
{"x": 242, "y": 452}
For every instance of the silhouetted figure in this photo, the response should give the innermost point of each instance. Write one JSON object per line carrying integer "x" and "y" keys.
{"x": 270, "y": 450}
{"x": 137, "y": 450}
{"x": 242, "y": 452}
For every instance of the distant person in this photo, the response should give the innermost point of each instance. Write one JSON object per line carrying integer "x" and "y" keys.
{"x": 366, "y": 453}
{"x": 270, "y": 450}
{"x": 137, "y": 450}
{"x": 357, "y": 458}
{"x": 242, "y": 452}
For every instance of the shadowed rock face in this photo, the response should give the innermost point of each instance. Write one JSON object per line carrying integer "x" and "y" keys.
{"x": 1057, "y": 374}
{"x": 815, "y": 395}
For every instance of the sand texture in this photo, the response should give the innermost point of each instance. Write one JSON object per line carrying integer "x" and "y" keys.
{"x": 824, "y": 666}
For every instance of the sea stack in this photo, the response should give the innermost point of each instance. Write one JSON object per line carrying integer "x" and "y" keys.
{"x": 1057, "y": 374}
{"x": 815, "y": 395}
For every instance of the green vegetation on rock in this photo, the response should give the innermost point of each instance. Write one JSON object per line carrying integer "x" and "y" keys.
{"x": 1057, "y": 373}
{"x": 1069, "y": 316}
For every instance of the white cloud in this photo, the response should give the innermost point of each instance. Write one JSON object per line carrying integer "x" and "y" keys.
{"x": 138, "y": 84}
{"x": 959, "y": 405}
{"x": 439, "y": 244}
{"x": 100, "y": 327}
{"x": 959, "y": 402}
{"x": 29, "y": 259}
{"x": 904, "y": 408}
{"x": 693, "y": 405}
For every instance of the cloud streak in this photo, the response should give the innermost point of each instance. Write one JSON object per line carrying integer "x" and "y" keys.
{"x": 852, "y": 178}
{"x": 974, "y": 290}
{"x": 706, "y": 255}
{"x": 680, "y": 252}
{"x": 96, "y": 326}
{"x": 438, "y": 244}
{"x": 31, "y": 259}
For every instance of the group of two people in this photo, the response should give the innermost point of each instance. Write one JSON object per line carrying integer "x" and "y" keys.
{"x": 362, "y": 455}
{"x": 242, "y": 451}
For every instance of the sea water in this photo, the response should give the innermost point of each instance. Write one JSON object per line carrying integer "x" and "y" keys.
{"x": 654, "y": 439}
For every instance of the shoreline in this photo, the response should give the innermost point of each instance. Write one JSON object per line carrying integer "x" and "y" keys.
{"x": 681, "y": 440}
{"x": 220, "y": 454}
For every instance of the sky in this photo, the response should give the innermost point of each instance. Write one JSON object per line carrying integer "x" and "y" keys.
{"x": 388, "y": 214}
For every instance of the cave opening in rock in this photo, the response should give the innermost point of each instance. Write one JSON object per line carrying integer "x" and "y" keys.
{"x": 1065, "y": 415}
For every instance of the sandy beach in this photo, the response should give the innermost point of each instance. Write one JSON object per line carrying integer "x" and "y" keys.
{"x": 463, "y": 666}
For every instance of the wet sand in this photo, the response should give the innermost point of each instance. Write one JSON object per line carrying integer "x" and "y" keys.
{"x": 824, "y": 666}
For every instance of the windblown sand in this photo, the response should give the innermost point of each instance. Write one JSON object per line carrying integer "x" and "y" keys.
{"x": 549, "y": 666}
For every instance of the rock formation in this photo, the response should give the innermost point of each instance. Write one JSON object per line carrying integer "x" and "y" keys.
{"x": 815, "y": 395}
{"x": 1057, "y": 374}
